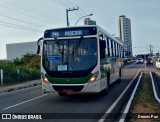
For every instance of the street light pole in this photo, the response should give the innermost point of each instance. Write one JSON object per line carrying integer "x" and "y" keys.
{"x": 67, "y": 10}
{"x": 82, "y": 17}
{"x": 67, "y": 17}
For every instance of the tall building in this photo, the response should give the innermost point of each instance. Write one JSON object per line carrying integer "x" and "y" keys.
{"x": 125, "y": 34}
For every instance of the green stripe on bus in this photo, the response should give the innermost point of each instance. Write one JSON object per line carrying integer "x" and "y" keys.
{"x": 80, "y": 80}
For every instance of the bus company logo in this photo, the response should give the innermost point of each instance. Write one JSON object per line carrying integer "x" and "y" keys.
{"x": 6, "y": 116}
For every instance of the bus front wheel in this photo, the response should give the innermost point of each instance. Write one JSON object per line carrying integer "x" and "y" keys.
{"x": 120, "y": 75}
{"x": 120, "y": 72}
{"x": 104, "y": 92}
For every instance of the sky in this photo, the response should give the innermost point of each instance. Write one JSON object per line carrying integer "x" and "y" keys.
{"x": 26, "y": 20}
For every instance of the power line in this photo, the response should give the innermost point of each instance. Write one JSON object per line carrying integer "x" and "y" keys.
{"x": 22, "y": 13}
{"x": 20, "y": 26}
{"x": 66, "y": 3}
{"x": 26, "y": 6}
{"x": 83, "y": 11}
{"x": 77, "y": 6}
{"x": 72, "y": 3}
{"x": 80, "y": 13}
{"x": 69, "y": 4}
{"x": 67, "y": 10}
{"x": 34, "y": 24}
{"x": 60, "y": 3}
{"x": 17, "y": 27}
{"x": 76, "y": 13}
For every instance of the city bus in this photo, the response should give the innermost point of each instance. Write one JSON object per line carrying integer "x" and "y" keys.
{"x": 79, "y": 59}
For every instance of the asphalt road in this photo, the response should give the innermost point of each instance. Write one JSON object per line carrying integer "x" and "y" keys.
{"x": 32, "y": 100}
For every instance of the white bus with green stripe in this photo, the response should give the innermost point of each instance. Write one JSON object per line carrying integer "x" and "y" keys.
{"x": 81, "y": 59}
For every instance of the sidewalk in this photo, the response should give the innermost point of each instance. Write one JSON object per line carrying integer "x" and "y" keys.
{"x": 19, "y": 86}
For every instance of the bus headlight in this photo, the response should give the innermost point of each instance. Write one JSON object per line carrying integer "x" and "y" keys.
{"x": 94, "y": 77}
{"x": 45, "y": 79}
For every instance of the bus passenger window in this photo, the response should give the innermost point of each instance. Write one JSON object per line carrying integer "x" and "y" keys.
{"x": 115, "y": 49}
{"x": 112, "y": 48}
{"x": 108, "y": 47}
{"x": 102, "y": 49}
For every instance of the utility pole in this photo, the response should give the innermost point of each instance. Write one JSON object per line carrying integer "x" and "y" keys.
{"x": 67, "y": 10}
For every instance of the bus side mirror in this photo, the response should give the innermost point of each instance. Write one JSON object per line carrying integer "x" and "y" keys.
{"x": 38, "y": 50}
{"x": 38, "y": 45}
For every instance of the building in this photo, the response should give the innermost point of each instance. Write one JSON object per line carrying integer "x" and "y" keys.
{"x": 125, "y": 34}
{"x": 88, "y": 21}
{"x": 17, "y": 50}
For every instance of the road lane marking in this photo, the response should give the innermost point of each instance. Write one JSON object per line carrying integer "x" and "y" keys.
{"x": 25, "y": 102}
{"x": 130, "y": 101}
{"x": 153, "y": 86}
{"x": 102, "y": 119}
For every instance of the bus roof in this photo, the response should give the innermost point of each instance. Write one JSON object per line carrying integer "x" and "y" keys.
{"x": 98, "y": 30}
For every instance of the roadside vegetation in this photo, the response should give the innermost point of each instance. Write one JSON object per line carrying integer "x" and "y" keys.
{"x": 144, "y": 107}
{"x": 21, "y": 69}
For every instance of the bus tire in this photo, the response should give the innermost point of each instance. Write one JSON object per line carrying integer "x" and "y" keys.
{"x": 105, "y": 91}
{"x": 120, "y": 75}
{"x": 62, "y": 93}
{"x": 120, "y": 72}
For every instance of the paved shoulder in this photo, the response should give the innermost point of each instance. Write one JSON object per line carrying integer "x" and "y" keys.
{"x": 9, "y": 88}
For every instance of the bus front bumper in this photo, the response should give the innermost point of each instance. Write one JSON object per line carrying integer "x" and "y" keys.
{"x": 75, "y": 88}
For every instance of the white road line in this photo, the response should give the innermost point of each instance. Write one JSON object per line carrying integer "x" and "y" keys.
{"x": 118, "y": 99}
{"x": 154, "y": 90}
{"x": 24, "y": 102}
{"x": 130, "y": 101}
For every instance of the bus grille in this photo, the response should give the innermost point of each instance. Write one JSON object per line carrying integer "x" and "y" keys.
{"x": 74, "y": 88}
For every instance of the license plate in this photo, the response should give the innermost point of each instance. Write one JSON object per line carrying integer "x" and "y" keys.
{"x": 67, "y": 90}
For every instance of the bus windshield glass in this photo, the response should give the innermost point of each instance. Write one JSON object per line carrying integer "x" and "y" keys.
{"x": 70, "y": 54}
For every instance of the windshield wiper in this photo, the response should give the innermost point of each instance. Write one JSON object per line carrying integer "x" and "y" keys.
{"x": 75, "y": 49}
{"x": 61, "y": 51}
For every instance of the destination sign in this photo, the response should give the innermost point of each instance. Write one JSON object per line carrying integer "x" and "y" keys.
{"x": 70, "y": 32}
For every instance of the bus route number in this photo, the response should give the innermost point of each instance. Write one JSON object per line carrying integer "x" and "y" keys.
{"x": 54, "y": 34}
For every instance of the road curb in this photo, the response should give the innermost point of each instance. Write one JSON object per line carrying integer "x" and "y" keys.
{"x": 7, "y": 90}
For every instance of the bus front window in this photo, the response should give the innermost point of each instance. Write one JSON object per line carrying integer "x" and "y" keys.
{"x": 70, "y": 54}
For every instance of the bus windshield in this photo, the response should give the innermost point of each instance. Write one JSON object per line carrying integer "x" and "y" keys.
{"x": 70, "y": 54}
